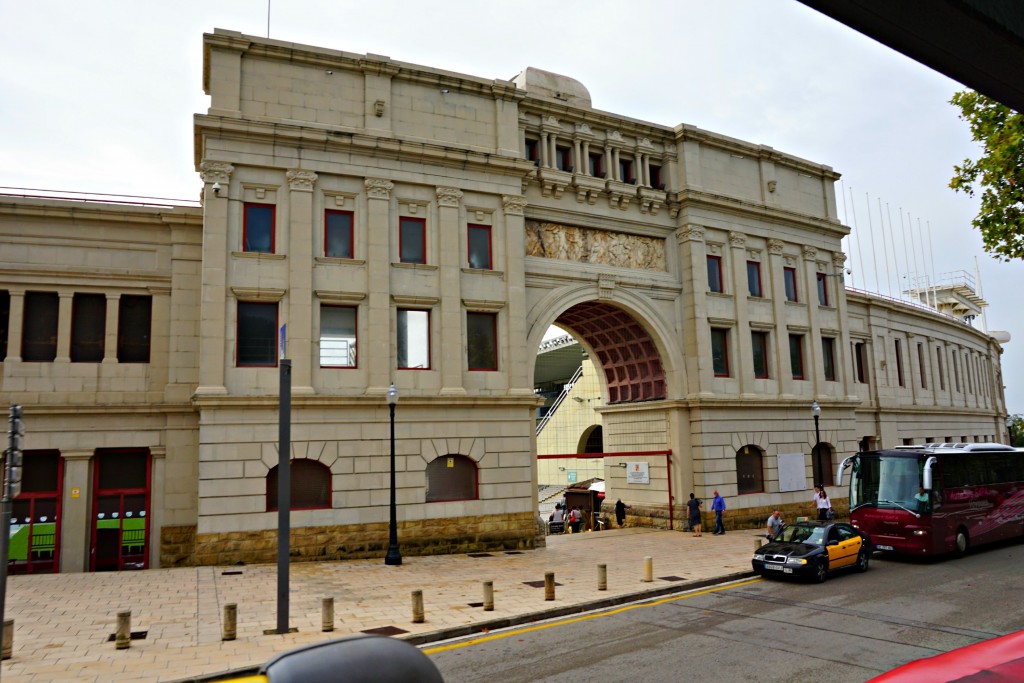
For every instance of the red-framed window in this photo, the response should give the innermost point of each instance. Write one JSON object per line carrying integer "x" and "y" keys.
{"x": 942, "y": 374}
{"x": 134, "y": 324}
{"x": 88, "y": 327}
{"x": 338, "y": 325}
{"x": 413, "y": 339}
{"x": 828, "y": 356}
{"x": 482, "y": 340}
{"x": 754, "y": 279}
{"x": 310, "y": 485}
{"x": 563, "y": 159}
{"x": 715, "y": 283}
{"x": 921, "y": 367}
{"x": 452, "y": 477}
{"x": 796, "y": 355}
{"x": 759, "y": 343}
{"x": 34, "y": 544}
{"x": 720, "y": 351}
{"x": 479, "y": 241}
{"x": 860, "y": 361}
{"x": 39, "y": 327}
{"x": 256, "y": 335}
{"x": 412, "y": 240}
{"x": 822, "y": 289}
{"x": 626, "y": 170}
{"x": 789, "y": 275}
{"x": 899, "y": 364}
{"x": 339, "y": 238}
{"x": 121, "y": 499}
{"x": 655, "y": 173}
{"x": 258, "y": 228}
{"x": 532, "y": 149}
{"x": 596, "y": 161}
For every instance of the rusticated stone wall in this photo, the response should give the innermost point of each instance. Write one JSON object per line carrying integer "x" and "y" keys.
{"x": 354, "y": 541}
{"x": 177, "y": 546}
{"x": 743, "y": 518}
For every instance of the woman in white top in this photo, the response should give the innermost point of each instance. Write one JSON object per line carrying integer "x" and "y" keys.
{"x": 822, "y": 502}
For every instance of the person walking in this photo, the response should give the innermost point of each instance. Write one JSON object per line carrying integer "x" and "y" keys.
{"x": 620, "y": 511}
{"x": 821, "y": 502}
{"x": 694, "y": 507}
{"x": 718, "y": 505}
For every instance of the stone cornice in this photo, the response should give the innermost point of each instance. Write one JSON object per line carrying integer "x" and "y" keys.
{"x": 686, "y": 132}
{"x": 737, "y": 206}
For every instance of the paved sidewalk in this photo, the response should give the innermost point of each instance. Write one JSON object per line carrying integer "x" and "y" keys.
{"x": 63, "y": 621}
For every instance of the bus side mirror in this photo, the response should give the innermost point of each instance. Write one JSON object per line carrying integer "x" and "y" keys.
{"x": 842, "y": 468}
{"x": 926, "y": 475}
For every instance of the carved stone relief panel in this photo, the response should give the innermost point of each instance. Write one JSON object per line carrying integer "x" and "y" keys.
{"x": 586, "y": 245}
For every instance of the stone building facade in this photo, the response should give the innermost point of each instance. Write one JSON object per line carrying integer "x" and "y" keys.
{"x": 394, "y": 224}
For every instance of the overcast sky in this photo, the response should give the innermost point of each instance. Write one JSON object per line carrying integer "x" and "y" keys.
{"x": 98, "y": 97}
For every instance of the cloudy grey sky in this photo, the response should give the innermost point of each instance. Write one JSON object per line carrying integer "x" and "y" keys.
{"x": 98, "y": 97}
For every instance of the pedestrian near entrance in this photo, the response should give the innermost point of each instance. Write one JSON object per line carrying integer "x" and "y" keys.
{"x": 718, "y": 505}
{"x": 821, "y": 502}
{"x": 620, "y": 511}
{"x": 575, "y": 517}
{"x": 775, "y": 525}
{"x": 694, "y": 507}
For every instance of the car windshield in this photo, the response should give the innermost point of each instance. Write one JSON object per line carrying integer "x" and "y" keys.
{"x": 802, "y": 534}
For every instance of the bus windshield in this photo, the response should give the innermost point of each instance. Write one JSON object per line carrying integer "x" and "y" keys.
{"x": 886, "y": 481}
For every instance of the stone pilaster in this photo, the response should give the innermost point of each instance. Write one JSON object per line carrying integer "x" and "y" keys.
{"x": 15, "y": 322}
{"x": 520, "y": 360}
{"x": 744, "y": 349}
{"x": 216, "y": 252}
{"x": 451, "y": 258}
{"x": 697, "y": 331}
{"x": 777, "y": 287}
{"x": 110, "y": 331}
{"x": 378, "y": 267}
{"x": 64, "y": 328}
{"x": 75, "y": 530}
{"x": 300, "y": 278}
{"x": 810, "y": 255}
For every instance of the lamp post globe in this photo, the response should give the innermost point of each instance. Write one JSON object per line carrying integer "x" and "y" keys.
{"x": 394, "y": 556}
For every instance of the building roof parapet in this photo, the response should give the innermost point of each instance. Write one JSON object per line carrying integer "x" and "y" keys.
{"x": 686, "y": 132}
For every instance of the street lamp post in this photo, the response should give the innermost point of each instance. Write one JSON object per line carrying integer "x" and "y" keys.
{"x": 394, "y": 556}
{"x": 817, "y": 469}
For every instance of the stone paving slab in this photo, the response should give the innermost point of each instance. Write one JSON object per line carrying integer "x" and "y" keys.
{"x": 63, "y": 621}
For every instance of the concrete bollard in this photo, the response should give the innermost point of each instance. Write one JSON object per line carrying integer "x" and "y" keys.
{"x": 229, "y": 630}
{"x": 549, "y": 586}
{"x": 758, "y": 542}
{"x": 327, "y": 614}
{"x": 602, "y": 577}
{"x": 417, "y": 607}
{"x": 488, "y": 596}
{"x": 123, "y": 634}
{"x": 648, "y": 569}
{"x": 7, "y": 648}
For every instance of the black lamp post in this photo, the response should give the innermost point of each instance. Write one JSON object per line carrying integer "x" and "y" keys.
{"x": 394, "y": 555}
{"x": 818, "y": 473}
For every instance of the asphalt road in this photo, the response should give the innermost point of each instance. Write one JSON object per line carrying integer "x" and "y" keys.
{"x": 849, "y": 629}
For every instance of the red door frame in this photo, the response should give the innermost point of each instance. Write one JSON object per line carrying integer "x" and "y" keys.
{"x": 52, "y": 564}
{"x": 97, "y": 493}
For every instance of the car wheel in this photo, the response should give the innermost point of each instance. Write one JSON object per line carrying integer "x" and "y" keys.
{"x": 863, "y": 558}
{"x": 962, "y": 543}
{"x": 821, "y": 571}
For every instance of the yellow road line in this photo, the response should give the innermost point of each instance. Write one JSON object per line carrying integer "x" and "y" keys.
{"x": 573, "y": 620}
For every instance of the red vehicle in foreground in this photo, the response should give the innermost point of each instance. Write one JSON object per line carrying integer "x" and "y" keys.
{"x": 1000, "y": 660}
{"x": 931, "y": 501}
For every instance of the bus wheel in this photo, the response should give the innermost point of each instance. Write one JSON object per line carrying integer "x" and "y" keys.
{"x": 961, "y": 543}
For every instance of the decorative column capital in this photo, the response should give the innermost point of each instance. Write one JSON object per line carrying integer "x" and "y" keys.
{"x": 215, "y": 171}
{"x": 838, "y": 259}
{"x": 775, "y": 247}
{"x": 301, "y": 180}
{"x": 379, "y": 188}
{"x": 738, "y": 239}
{"x": 513, "y": 205}
{"x": 449, "y": 196}
{"x": 810, "y": 253}
{"x": 692, "y": 233}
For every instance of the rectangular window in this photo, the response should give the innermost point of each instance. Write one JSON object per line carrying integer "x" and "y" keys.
{"x": 720, "y": 351}
{"x": 482, "y": 341}
{"x": 655, "y": 173}
{"x": 257, "y": 334}
{"x": 860, "y": 359}
{"x": 88, "y": 327}
{"x": 134, "y": 322}
{"x": 258, "y": 228}
{"x": 412, "y": 240}
{"x": 899, "y": 364}
{"x": 920, "y": 366}
{"x": 754, "y": 278}
{"x": 5, "y": 315}
{"x": 796, "y": 355}
{"x": 413, "y": 339}
{"x": 626, "y": 171}
{"x": 789, "y": 275}
{"x": 828, "y": 355}
{"x": 715, "y": 274}
{"x": 338, "y": 238}
{"x": 337, "y": 336}
{"x": 759, "y": 343}
{"x": 563, "y": 159}
{"x": 597, "y": 165}
{"x": 479, "y": 238}
{"x": 533, "y": 149}
{"x": 822, "y": 289}
{"x": 39, "y": 327}
{"x": 956, "y": 370}
{"x": 942, "y": 378}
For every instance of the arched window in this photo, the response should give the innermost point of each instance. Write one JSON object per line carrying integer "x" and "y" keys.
{"x": 310, "y": 489}
{"x": 451, "y": 477}
{"x": 750, "y": 470}
{"x": 592, "y": 440}
{"x": 821, "y": 464}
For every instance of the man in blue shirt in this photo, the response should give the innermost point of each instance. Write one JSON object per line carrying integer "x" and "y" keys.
{"x": 718, "y": 505}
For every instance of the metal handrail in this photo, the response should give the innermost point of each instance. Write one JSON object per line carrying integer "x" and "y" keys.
{"x": 561, "y": 397}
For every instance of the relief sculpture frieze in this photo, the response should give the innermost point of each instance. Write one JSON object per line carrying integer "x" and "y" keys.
{"x": 586, "y": 245}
